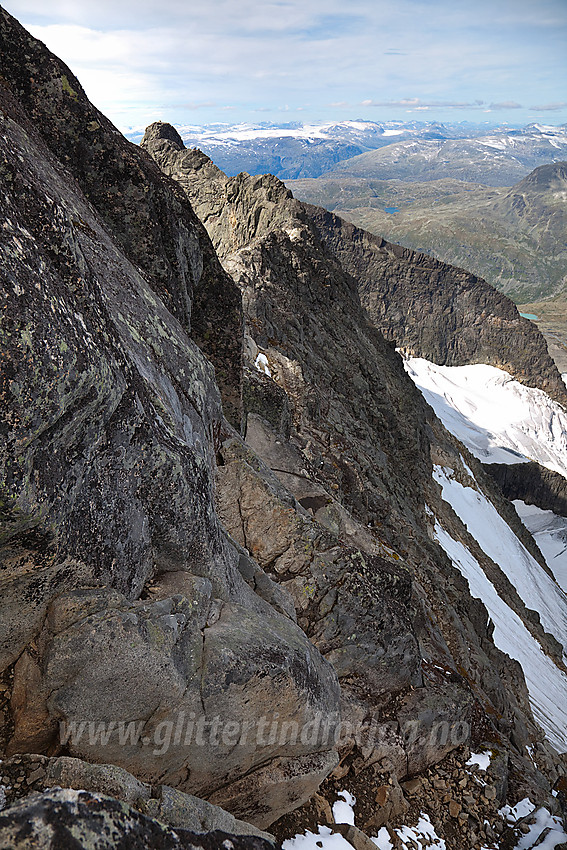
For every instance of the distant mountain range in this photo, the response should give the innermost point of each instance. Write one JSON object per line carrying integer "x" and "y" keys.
{"x": 393, "y": 149}
{"x": 498, "y": 159}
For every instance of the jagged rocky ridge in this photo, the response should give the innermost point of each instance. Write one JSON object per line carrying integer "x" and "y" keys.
{"x": 271, "y": 245}
{"x": 512, "y": 237}
{"x": 427, "y": 307}
{"x": 437, "y": 311}
{"x": 134, "y": 588}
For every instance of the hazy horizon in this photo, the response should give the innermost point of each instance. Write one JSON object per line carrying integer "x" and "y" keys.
{"x": 501, "y": 61}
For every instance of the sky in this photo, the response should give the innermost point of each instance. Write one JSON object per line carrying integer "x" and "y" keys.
{"x": 231, "y": 61}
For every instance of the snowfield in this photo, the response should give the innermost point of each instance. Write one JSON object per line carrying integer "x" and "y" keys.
{"x": 547, "y": 685}
{"x": 550, "y": 533}
{"x": 498, "y": 419}
{"x": 495, "y": 537}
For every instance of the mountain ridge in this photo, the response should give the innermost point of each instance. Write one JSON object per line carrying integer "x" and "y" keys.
{"x": 513, "y": 237}
{"x": 158, "y": 567}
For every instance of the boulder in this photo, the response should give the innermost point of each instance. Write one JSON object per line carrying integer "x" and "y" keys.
{"x": 189, "y": 691}
{"x": 61, "y": 818}
{"x": 27, "y": 773}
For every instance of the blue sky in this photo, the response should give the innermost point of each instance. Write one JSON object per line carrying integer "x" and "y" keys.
{"x": 242, "y": 60}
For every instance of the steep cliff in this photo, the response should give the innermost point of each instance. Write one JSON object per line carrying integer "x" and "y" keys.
{"x": 181, "y": 603}
{"x": 533, "y": 484}
{"x": 123, "y": 599}
{"x": 149, "y": 219}
{"x": 329, "y": 409}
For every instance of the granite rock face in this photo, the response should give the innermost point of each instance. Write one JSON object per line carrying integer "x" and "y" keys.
{"x": 123, "y": 598}
{"x": 149, "y": 218}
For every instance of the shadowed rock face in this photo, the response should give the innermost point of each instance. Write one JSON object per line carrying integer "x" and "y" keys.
{"x": 437, "y": 311}
{"x": 533, "y": 484}
{"x": 122, "y": 597}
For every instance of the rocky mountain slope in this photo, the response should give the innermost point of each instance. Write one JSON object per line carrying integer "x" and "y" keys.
{"x": 294, "y": 294}
{"x": 194, "y": 611}
{"x": 123, "y": 597}
{"x": 439, "y": 312}
{"x": 512, "y": 237}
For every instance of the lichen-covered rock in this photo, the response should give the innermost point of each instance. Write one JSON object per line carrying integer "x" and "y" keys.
{"x": 111, "y": 418}
{"x": 150, "y": 219}
{"x": 184, "y": 690}
{"x": 63, "y": 818}
{"x": 25, "y": 774}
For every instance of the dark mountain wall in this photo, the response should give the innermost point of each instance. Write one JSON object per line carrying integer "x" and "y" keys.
{"x": 437, "y": 311}
{"x": 533, "y": 484}
{"x": 515, "y": 237}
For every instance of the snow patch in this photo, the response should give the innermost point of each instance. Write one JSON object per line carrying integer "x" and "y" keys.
{"x": 495, "y": 537}
{"x": 423, "y": 835}
{"x": 382, "y": 840}
{"x": 481, "y": 759}
{"x": 547, "y": 685}
{"x": 343, "y": 810}
{"x": 498, "y": 419}
{"x": 547, "y": 827}
{"x": 521, "y": 810}
{"x": 546, "y": 831}
{"x": 324, "y": 839}
{"x": 262, "y": 365}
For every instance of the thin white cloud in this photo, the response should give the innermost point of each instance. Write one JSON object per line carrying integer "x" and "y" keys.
{"x": 416, "y": 103}
{"x": 506, "y": 104}
{"x": 550, "y": 107}
{"x": 140, "y": 57}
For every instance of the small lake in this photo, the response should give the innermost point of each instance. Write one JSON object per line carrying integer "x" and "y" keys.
{"x": 531, "y": 316}
{"x": 391, "y": 210}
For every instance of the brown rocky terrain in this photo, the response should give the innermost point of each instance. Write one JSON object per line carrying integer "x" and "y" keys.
{"x": 158, "y": 566}
{"x": 337, "y": 379}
